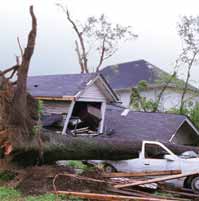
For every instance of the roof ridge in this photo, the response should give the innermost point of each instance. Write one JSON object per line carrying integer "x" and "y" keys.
{"x": 65, "y": 74}
{"x": 147, "y": 112}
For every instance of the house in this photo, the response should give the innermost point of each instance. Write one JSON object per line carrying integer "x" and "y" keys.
{"x": 155, "y": 126}
{"x": 83, "y": 96}
{"x": 86, "y": 105}
{"x": 125, "y": 76}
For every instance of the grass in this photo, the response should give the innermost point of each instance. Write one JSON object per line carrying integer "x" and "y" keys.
{"x": 10, "y": 194}
{"x": 77, "y": 165}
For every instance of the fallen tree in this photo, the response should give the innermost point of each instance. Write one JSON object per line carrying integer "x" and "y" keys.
{"x": 60, "y": 147}
{"x": 19, "y": 117}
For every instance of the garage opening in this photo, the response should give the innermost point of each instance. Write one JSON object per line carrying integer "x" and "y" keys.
{"x": 85, "y": 119}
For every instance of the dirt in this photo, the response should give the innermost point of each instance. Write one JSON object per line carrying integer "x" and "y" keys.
{"x": 39, "y": 180}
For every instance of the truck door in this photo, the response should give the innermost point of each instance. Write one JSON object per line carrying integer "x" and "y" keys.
{"x": 158, "y": 158}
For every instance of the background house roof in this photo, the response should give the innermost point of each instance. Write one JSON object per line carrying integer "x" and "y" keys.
{"x": 58, "y": 85}
{"x": 127, "y": 75}
{"x": 142, "y": 125}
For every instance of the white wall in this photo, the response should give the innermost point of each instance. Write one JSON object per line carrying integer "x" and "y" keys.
{"x": 170, "y": 99}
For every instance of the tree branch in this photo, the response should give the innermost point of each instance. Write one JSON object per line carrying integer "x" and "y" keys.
{"x": 163, "y": 90}
{"x": 20, "y": 47}
{"x": 187, "y": 82}
{"x": 15, "y": 67}
{"x": 102, "y": 54}
{"x": 79, "y": 34}
{"x": 79, "y": 57}
{"x": 28, "y": 52}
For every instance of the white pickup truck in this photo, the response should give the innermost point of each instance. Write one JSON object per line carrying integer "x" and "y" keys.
{"x": 154, "y": 156}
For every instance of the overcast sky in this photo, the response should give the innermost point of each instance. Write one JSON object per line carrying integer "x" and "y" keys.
{"x": 153, "y": 20}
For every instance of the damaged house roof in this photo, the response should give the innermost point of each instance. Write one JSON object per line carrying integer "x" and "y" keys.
{"x": 58, "y": 85}
{"x": 124, "y": 123}
{"x": 65, "y": 85}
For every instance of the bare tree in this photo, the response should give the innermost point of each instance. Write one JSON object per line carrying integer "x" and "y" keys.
{"x": 188, "y": 30}
{"x": 97, "y": 34}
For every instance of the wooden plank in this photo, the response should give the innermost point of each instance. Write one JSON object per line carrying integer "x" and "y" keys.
{"x": 106, "y": 196}
{"x": 142, "y": 174}
{"x": 138, "y": 193}
{"x": 81, "y": 177}
{"x": 69, "y": 98}
{"x": 184, "y": 194}
{"x": 156, "y": 180}
{"x": 70, "y": 111}
{"x": 103, "y": 112}
{"x": 56, "y": 107}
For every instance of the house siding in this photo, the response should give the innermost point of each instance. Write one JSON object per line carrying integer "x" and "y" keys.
{"x": 92, "y": 93}
{"x": 170, "y": 99}
{"x": 185, "y": 136}
{"x": 56, "y": 107}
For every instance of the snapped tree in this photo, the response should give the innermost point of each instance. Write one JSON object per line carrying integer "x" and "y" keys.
{"x": 17, "y": 108}
{"x": 97, "y": 35}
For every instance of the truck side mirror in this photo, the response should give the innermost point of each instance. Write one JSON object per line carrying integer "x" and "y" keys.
{"x": 169, "y": 157}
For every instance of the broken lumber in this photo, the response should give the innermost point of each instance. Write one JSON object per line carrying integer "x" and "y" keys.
{"x": 137, "y": 193}
{"x": 184, "y": 194}
{"x": 79, "y": 177}
{"x": 155, "y": 180}
{"x": 142, "y": 174}
{"x": 107, "y": 196}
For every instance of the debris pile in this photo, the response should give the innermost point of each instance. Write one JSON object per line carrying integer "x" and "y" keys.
{"x": 149, "y": 186}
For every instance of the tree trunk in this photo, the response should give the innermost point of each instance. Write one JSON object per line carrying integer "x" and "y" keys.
{"x": 61, "y": 147}
{"x": 18, "y": 110}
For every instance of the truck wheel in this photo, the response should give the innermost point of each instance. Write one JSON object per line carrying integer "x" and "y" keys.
{"x": 195, "y": 185}
{"x": 109, "y": 168}
{"x": 187, "y": 182}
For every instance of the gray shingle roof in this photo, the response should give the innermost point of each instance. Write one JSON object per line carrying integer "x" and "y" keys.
{"x": 142, "y": 125}
{"x": 58, "y": 85}
{"x": 127, "y": 75}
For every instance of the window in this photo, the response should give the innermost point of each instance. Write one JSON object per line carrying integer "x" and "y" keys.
{"x": 154, "y": 151}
